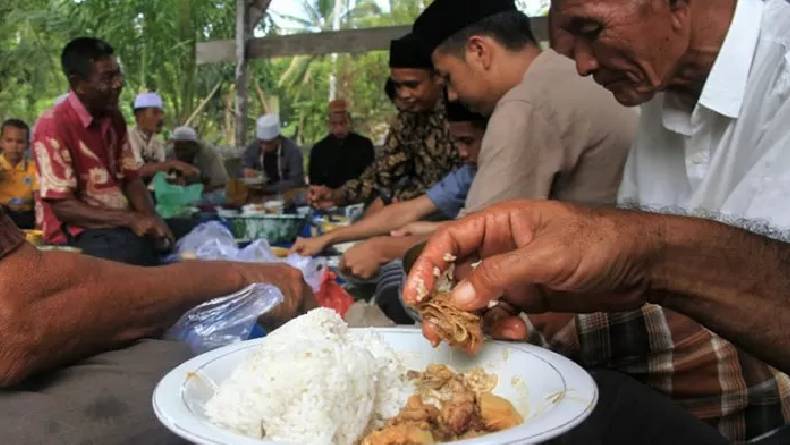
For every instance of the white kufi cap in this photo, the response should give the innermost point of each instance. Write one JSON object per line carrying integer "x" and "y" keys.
{"x": 268, "y": 127}
{"x": 148, "y": 100}
{"x": 184, "y": 134}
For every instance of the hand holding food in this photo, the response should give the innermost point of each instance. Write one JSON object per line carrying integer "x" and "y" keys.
{"x": 540, "y": 257}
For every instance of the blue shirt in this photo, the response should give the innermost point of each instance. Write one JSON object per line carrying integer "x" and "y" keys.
{"x": 449, "y": 194}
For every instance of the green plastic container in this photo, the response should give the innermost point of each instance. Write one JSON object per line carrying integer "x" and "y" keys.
{"x": 276, "y": 229}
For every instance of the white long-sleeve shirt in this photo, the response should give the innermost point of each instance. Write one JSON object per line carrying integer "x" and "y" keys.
{"x": 730, "y": 155}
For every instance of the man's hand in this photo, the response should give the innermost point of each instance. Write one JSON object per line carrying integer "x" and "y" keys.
{"x": 186, "y": 170}
{"x": 363, "y": 260}
{"x": 309, "y": 246}
{"x": 542, "y": 257}
{"x": 417, "y": 228}
{"x": 150, "y": 226}
{"x": 321, "y": 197}
{"x": 297, "y": 296}
{"x": 250, "y": 173}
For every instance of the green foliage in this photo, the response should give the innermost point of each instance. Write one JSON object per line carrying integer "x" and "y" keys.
{"x": 155, "y": 42}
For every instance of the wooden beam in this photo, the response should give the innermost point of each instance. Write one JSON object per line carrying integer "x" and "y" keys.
{"x": 345, "y": 41}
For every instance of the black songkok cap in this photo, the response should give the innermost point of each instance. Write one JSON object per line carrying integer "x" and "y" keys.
{"x": 443, "y": 18}
{"x": 407, "y": 52}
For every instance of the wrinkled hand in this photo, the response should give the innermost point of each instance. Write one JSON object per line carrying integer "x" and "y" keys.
{"x": 542, "y": 257}
{"x": 309, "y": 246}
{"x": 417, "y": 228}
{"x": 363, "y": 260}
{"x": 186, "y": 170}
{"x": 150, "y": 226}
{"x": 297, "y": 296}
{"x": 321, "y": 197}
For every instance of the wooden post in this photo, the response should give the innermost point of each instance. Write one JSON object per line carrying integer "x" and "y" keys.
{"x": 241, "y": 72}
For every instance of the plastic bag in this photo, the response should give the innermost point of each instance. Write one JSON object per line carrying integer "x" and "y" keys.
{"x": 332, "y": 295}
{"x": 174, "y": 200}
{"x": 213, "y": 241}
{"x": 225, "y": 320}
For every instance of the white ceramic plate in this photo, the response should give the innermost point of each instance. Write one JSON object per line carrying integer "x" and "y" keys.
{"x": 551, "y": 392}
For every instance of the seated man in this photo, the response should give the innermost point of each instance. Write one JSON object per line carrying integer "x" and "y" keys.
{"x": 446, "y": 197}
{"x": 147, "y": 147}
{"x": 274, "y": 156}
{"x": 18, "y": 177}
{"x": 418, "y": 152}
{"x": 189, "y": 150}
{"x": 79, "y": 355}
{"x": 91, "y": 194}
{"x": 341, "y": 156}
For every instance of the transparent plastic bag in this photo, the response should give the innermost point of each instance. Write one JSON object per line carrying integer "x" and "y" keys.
{"x": 225, "y": 320}
{"x": 213, "y": 241}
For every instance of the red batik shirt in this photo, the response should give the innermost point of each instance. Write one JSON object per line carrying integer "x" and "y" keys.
{"x": 79, "y": 156}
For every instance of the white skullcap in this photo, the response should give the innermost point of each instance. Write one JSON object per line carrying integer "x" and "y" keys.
{"x": 184, "y": 134}
{"x": 268, "y": 127}
{"x": 148, "y": 100}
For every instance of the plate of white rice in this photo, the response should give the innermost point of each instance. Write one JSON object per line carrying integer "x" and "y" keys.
{"x": 315, "y": 381}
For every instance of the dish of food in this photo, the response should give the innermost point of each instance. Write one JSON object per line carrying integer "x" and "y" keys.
{"x": 315, "y": 381}
{"x": 447, "y": 406}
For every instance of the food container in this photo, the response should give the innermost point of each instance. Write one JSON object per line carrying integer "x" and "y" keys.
{"x": 34, "y": 237}
{"x": 276, "y": 229}
{"x": 63, "y": 249}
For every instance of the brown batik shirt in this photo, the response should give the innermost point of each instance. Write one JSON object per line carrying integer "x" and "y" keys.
{"x": 418, "y": 153}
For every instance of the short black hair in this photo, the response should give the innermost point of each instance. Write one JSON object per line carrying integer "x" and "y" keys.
{"x": 512, "y": 29}
{"x": 78, "y": 56}
{"x": 15, "y": 123}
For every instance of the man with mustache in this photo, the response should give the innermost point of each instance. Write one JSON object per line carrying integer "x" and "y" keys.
{"x": 418, "y": 152}
{"x": 92, "y": 195}
{"x": 147, "y": 147}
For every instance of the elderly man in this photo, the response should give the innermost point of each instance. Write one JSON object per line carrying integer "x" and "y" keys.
{"x": 274, "y": 156}
{"x": 91, "y": 192}
{"x": 419, "y": 150}
{"x": 147, "y": 147}
{"x": 188, "y": 149}
{"x": 341, "y": 156}
{"x": 711, "y": 141}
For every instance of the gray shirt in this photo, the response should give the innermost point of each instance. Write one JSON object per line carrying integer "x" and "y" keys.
{"x": 290, "y": 165}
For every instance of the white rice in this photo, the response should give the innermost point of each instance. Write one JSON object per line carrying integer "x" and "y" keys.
{"x": 312, "y": 381}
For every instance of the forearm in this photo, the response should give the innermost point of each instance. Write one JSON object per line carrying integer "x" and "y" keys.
{"x": 392, "y": 248}
{"x": 149, "y": 170}
{"x": 79, "y": 214}
{"x": 733, "y": 282}
{"x": 384, "y": 221}
{"x": 80, "y": 305}
{"x": 139, "y": 197}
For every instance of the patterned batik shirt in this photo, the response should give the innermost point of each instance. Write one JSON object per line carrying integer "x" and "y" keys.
{"x": 418, "y": 153}
{"x": 81, "y": 157}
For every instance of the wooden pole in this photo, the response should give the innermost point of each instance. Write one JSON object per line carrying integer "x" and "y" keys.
{"x": 241, "y": 72}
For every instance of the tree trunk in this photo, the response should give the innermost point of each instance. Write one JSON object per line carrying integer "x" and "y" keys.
{"x": 241, "y": 72}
